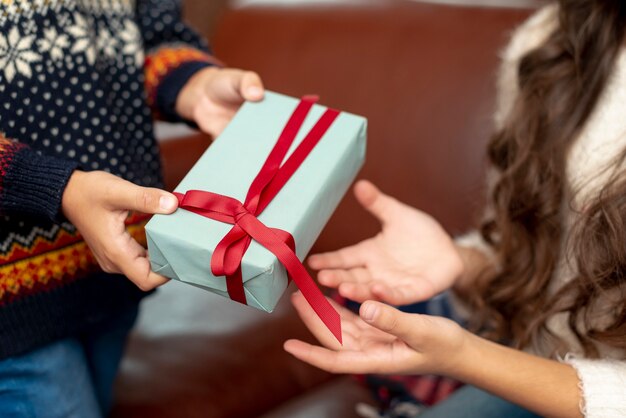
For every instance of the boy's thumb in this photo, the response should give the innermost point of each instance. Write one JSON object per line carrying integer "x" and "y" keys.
{"x": 145, "y": 199}
{"x": 388, "y": 319}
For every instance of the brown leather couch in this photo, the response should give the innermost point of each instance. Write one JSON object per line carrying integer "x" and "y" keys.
{"x": 424, "y": 76}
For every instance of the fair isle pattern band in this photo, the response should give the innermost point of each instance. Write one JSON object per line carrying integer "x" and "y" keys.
{"x": 47, "y": 263}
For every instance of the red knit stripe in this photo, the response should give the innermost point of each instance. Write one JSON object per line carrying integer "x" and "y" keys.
{"x": 8, "y": 149}
{"x": 22, "y": 272}
{"x": 163, "y": 61}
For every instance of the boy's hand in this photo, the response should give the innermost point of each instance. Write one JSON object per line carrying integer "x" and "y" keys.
{"x": 97, "y": 203}
{"x": 410, "y": 260}
{"x": 212, "y": 96}
{"x": 382, "y": 340}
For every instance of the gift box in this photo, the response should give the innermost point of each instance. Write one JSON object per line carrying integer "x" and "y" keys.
{"x": 182, "y": 245}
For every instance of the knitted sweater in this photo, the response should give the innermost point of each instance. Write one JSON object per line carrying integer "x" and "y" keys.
{"x": 603, "y": 381}
{"x": 80, "y": 81}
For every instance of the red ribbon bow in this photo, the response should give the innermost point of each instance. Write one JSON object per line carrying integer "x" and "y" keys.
{"x": 226, "y": 259}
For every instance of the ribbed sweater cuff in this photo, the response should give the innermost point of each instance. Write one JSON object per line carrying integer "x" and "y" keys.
{"x": 35, "y": 183}
{"x": 603, "y": 386}
{"x": 473, "y": 239}
{"x": 172, "y": 84}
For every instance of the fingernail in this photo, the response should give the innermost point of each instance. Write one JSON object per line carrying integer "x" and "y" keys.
{"x": 255, "y": 91}
{"x": 167, "y": 202}
{"x": 369, "y": 311}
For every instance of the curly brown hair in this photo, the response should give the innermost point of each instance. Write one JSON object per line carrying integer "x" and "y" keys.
{"x": 560, "y": 83}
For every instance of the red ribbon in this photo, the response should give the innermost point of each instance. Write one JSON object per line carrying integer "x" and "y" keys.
{"x": 226, "y": 259}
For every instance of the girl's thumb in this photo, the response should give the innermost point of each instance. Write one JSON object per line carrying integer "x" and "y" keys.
{"x": 389, "y": 319}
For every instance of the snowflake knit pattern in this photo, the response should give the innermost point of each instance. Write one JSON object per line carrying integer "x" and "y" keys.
{"x": 80, "y": 84}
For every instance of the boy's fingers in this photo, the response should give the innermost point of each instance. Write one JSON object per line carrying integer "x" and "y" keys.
{"x": 236, "y": 86}
{"x": 251, "y": 86}
{"x": 124, "y": 195}
{"x": 134, "y": 264}
{"x": 138, "y": 271}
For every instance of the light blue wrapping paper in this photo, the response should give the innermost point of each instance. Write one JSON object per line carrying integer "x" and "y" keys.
{"x": 180, "y": 245}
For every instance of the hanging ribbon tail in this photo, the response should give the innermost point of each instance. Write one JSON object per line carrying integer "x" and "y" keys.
{"x": 322, "y": 307}
{"x": 298, "y": 273}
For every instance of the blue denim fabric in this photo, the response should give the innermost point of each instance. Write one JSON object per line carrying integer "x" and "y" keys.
{"x": 470, "y": 402}
{"x": 69, "y": 378}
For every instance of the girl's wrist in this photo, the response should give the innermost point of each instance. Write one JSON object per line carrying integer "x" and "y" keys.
{"x": 465, "y": 255}
{"x": 469, "y": 358}
{"x": 475, "y": 264}
{"x": 458, "y": 364}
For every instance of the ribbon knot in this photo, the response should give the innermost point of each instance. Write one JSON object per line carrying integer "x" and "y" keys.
{"x": 227, "y": 257}
{"x": 241, "y": 213}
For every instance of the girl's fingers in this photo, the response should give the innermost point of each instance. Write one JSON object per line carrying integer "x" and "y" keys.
{"x": 317, "y": 356}
{"x": 376, "y": 202}
{"x": 333, "y": 278}
{"x": 315, "y": 324}
{"x": 323, "y": 358}
{"x": 411, "y": 328}
{"x": 383, "y": 292}
{"x": 345, "y": 258}
{"x": 396, "y": 295}
{"x": 405, "y": 292}
{"x": 355, "y": 291}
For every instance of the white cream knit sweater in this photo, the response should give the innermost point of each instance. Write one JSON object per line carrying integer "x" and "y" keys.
{"x": 589, "y": 165}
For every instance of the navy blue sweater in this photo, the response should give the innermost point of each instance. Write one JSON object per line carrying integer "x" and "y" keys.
{"x": 80, "y": 84}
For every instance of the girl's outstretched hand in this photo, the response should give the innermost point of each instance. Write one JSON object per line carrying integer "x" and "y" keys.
{"x": 410, "y": 260}
{"x": 381, "y": 340}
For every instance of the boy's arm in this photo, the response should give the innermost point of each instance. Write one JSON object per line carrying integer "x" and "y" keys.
{"x": 174, "y": 53}
{"x": 31, "y": 183}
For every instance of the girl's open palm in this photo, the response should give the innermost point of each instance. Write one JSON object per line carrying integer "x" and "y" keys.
{"x": 380, "y": 340}
{"x": 410, "y": 260}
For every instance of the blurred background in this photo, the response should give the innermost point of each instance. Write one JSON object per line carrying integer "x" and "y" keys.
{"x": 423, "y": 73}
{"x": 204, "y": 14}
